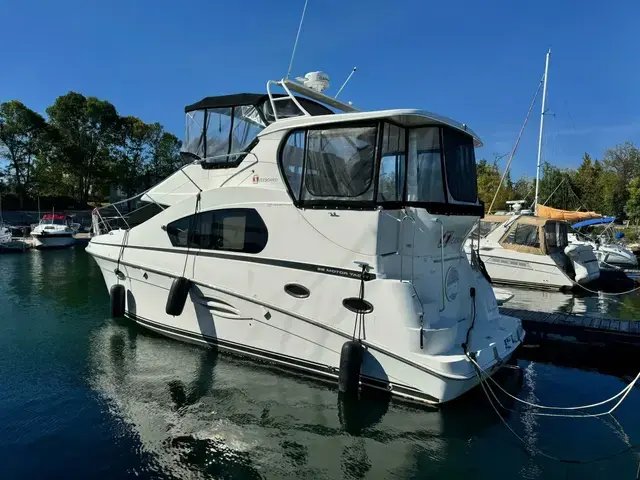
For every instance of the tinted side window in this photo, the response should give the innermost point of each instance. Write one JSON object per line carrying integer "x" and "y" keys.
{"x": 524, "y": 234}
{"x": 460, "y": 161}
{"x": 233, "y": 229}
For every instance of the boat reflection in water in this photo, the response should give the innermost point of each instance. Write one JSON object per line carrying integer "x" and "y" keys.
{"x": 199, "y": 415}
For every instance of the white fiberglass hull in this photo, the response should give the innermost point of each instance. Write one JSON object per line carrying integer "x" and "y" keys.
{"x": 509, "y": 268}
{"x": 241, "y": 324}
{"x": 610, "y": 257}
{"x": 5, "y": 236}
{"x": 53, "y": 240}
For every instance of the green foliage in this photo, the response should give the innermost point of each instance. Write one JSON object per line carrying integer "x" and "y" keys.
{"x": 488, "y": 180}
{"x": 609, "y": 187}
{"x": 83, "y": 150}
{"x": 23, "y": 134}
{"x": 632, "y": 207}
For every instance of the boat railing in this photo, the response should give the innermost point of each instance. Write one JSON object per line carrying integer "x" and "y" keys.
{"x": 290, "y": 87}
{"x": 126, "y": 214}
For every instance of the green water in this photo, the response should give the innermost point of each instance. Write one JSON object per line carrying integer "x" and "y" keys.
{"x": 84, "y": 396}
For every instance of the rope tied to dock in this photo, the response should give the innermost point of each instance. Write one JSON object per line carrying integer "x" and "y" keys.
{"x": 623, "y": 393}
{"x": 538, "y": 451}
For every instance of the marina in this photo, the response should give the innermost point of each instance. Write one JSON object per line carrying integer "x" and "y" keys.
{"x": 137, "y": 404}
{"x": 320, "y": 277}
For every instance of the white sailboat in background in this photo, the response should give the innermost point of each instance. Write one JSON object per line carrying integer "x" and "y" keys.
{"x": 526, "y": 250}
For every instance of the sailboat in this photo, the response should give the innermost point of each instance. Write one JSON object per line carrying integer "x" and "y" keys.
{"x": 529, "y": 250}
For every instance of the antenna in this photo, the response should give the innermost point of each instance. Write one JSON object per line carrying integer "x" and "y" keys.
{"x": 297, "y": 36}
{"x": 346, "y": 81}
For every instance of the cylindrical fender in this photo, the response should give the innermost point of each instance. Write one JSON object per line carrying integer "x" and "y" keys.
{"x": 178, "y": 296}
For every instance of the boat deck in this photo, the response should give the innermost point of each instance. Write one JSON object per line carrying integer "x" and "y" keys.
{"x": 597, "y": 331}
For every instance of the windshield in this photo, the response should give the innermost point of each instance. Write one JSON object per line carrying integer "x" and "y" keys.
{"x": 54, "y": 221}
{"x": 485, "y": 228}
{"x": 222, "y": 131}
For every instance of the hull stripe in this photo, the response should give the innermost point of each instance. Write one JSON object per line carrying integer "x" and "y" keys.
{"x": 308, "y": 267}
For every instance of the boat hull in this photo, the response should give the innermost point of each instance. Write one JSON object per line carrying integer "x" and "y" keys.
{"x": 239, "y": 325}
{"x": 53, "y": 241}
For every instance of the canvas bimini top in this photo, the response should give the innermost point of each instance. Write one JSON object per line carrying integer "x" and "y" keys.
{"x": 593, "y": 221}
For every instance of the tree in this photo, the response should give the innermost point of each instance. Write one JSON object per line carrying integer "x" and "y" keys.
{"x": 622, "y": 163}
{"x": 524, "y": 189}
{"x": 165, "y": 153}
{"x": 132, "y": 158}
{"x": 88, "y": 135}
{"x": 488, "y": 180}
{"x": 632, "y": 207}
{"x": 22, "y": 136}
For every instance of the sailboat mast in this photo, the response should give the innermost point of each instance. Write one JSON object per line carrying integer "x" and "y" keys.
{"x": 544, "y": 109}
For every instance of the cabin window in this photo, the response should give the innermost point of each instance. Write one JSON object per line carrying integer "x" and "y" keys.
{"x": 424, "y": 170}
{"x": 392, "y": 164}
{"x": 524, "y": 234}
{"x": 460, "y": 161}
{"x": 556, "y": 235}
{"x": 233, "y": 229}
{"x": 293, "y": 161}
{"x": 340, "y": 163}
{"x": 334, "y": 164}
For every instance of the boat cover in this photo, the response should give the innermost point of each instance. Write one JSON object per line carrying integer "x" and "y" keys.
{"x": 566, "y": 215}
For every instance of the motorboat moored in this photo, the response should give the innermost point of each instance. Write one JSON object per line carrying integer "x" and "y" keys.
{"x": 53, "y": 231}
{"x": 312, "y": 235}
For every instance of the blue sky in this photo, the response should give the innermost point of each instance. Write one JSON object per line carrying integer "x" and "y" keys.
{"x": 477, "y": 62}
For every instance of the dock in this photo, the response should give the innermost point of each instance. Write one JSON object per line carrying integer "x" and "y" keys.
{"x": 585, "y": 329}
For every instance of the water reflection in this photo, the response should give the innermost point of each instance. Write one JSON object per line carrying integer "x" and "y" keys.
{"x": 207, "y": 415}
{"x": 625, "y": 306}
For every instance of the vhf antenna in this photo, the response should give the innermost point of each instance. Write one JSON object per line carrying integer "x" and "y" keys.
{"x": 297, "y": 36}
{"x": 346, "y": 81}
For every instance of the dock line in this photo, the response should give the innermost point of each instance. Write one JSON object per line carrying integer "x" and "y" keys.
{"x": 624, "y": 392}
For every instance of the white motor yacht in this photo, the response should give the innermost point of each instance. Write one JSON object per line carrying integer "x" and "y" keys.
{"x": 317, "y": 237}
{"x": 528, "y": 251}
{"x": 609, "y": 250}
{"x": 53, "y": 231}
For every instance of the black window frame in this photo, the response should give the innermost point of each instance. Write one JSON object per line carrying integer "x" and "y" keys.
{"x": 437, "y": 208}
{"x": 194, "y": 221}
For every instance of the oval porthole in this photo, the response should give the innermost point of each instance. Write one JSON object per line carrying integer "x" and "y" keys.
{"x": 296, "y": 290}
{"x": 357, "y": 305}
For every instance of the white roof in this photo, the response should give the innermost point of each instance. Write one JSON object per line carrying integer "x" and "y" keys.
{"x": 405, "y": 117}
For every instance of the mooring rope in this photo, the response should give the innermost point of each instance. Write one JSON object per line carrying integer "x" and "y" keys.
{"x": 629, "y": 448}
{"x": 624, "y": 392}
{"x": 191, "y": 232}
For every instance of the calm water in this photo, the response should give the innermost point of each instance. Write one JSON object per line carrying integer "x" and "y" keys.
{"x": 84, "y": 396}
